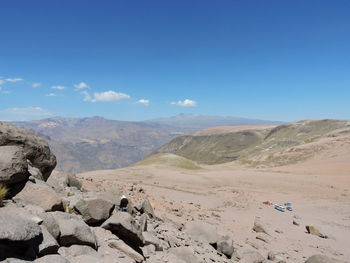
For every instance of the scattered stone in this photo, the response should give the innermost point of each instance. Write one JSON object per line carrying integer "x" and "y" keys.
{"x": 143, "y": 222}
{"x": 315, "y": 231}
{"x": 40, "y": 194}
{"x": 225, "y": 246}
{"x": 263, "y": 237}
{"x": 296, "y": 223}
{"x": 94, "y": 211}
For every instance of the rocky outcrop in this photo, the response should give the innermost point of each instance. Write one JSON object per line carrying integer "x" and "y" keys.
{"x": 225, "y": 246}
{"x": 34, "y": 148}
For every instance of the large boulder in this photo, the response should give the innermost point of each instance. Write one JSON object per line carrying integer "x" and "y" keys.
{"x": 40, "y": 194}
{"x": 202, "y": 232}
{"x": 94, "y": 211}
{"x": 35, "y": 149}
{"x": 19, "y": 236}
{"x": 73, "y": 230}
{"x": 13, "y": 165}
{"x": 186, "y": 254}
{"x": 122, "y": 225}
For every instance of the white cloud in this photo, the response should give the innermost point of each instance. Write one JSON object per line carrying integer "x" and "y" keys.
{"x": 52, "y": 95}
{"x": 87, "y": 96}
{"x": 106, "y": 96}
{"x": 185, "y": 103}
{"x": 81, "y": 85}
{"x": 143, "y": 101}
{"x": 58, "y": 87}
{"x": 36, "y": 85}
{"x": 13, "y": 80}
{"x": 32, "y": 111}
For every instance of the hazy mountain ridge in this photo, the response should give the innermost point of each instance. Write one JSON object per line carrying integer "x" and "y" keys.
{"x": 85, "y": 144}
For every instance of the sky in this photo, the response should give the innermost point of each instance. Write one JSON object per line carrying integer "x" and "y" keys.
{"x": 138, "y": 60}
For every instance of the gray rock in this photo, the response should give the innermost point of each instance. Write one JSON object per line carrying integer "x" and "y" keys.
{"x": 127, "y": 250}
{"x": 74, "y": 182}
{"x": 73, "y": 230}
{"x": 76, "y": 250}
{"x": 225, "y": 246}
{"x": 150, "y": 239}
{"x": 39, "y": 194}
{"x": 322, "y": 259}
{"x": 94, "y": 211}
{"x": 148, "y": 250}
{"x": 161, "y": 257}
{"x": 143, "y": 222}
{"x": 50, "y": 223}
{"x": 122, "y": 225}
{"x": 13, "y": 164}
{"x": 276, "y": 257}
{"x": 35, "y": 172}
{"x": 35, "y": 148}
{"x": 19, "y": 237}
{"x": 88, "y": 259}
{"x": 51, "y": 259}
{"x": 251, "y": 257}
{"x": 263, "y": 237}
{"x": 49, "y": 244}
{"x": 144, "y": 206}
{"x": 202, "y": 232}
{"x": 58, "y": 180}
{"x": 103, "y": 236}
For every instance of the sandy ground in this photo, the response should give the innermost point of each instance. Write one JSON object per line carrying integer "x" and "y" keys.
{"x": 230, "y": 197}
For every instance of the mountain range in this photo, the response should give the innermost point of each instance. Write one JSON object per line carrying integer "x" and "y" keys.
{"x": 94, "y": 143}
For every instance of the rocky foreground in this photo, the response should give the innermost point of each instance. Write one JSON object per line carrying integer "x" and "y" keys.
{"x": 49, "y": 217}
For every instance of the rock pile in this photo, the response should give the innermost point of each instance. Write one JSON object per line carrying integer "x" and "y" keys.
{"x": 51, "y": 218}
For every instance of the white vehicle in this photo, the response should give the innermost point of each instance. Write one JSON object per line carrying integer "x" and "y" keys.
{"x": 280, "y": 208}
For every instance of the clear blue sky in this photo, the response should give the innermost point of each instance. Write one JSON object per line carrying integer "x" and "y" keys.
{"x": 136, "y": 60}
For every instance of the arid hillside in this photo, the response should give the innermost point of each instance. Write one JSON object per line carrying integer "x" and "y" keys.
{"x": 262, "y": 146}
